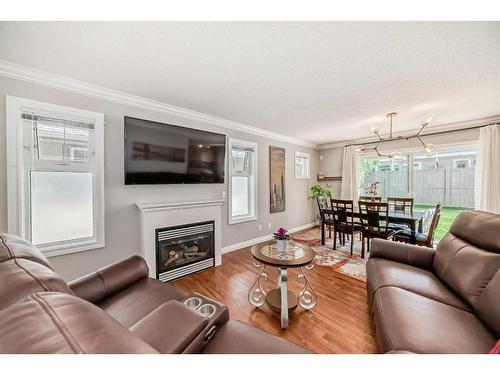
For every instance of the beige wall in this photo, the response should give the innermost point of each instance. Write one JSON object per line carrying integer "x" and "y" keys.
{"x": 122, "y": 219}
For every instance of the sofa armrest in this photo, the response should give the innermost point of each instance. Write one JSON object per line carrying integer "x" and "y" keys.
{"x": 109, "y": 280}
{"x": 171, "y": 327}
{"x": 418, "y": 256}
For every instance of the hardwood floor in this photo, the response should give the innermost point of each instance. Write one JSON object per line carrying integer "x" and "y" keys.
{"x": 338, "y": 324}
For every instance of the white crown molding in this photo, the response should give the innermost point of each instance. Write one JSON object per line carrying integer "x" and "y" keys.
{"x": 430, "y": 129}
{"x": 40, "y": 77}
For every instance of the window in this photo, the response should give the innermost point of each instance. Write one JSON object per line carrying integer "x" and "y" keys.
{"x": 302, "y": 165}
{"x": 55, "y": 177}
{"x": 391, "y": 176}
{"x": 417, "y": 165}
{"x": 243, "y": 181}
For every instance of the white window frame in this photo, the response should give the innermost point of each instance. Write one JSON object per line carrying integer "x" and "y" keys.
{"x": 233, "y": 142}
{"x": 17, "y": 188}
{"x": 302, "y": 155}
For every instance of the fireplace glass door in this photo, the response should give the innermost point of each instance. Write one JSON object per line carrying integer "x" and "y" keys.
{"x": 181, "y": 246}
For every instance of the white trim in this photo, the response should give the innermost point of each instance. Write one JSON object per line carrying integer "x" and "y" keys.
{"x": 255, "y": 241}
{"x": 16, "y": 207}
{"x": 39, "y": 77}
{"x": 168, "y": 206}
{"x": 254, "y": 175}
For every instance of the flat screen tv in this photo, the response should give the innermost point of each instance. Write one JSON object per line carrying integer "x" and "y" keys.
{"x": 157, "y": 153}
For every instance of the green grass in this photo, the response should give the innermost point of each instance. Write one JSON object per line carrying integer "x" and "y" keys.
{"x": 448, "y": 214}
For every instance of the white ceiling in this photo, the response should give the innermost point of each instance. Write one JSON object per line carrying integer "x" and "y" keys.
{"x": 320, "y": 82}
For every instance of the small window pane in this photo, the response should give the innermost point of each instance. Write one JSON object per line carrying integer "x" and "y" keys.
{"x": 240, "y": 161}
{"x": 61, "y": 206}
{"x": 240, "y": 197}
{"x": 62, "y": 143}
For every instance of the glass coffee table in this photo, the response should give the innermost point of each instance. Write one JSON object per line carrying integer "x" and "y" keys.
{"x": 281, "y": 299}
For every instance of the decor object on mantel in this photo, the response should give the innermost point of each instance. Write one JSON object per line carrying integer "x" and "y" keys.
{"x": 282, "y": 237}
{"x": 428, "y": 147}
{"x": 322, "y": 177}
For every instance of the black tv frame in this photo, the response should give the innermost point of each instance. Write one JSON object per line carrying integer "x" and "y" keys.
{"x": 169, "y": 183}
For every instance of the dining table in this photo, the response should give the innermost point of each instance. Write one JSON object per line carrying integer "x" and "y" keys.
{"x": 412, "y": 219}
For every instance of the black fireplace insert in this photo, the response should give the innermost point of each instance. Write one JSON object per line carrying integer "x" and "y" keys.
{"x": 184, "y": 249}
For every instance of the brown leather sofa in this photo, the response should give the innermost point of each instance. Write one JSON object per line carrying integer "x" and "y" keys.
{"x": 118, "y": 309}
{"x": 438, "y": 301}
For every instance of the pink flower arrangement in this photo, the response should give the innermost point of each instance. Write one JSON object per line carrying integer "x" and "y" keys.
{"x": 281, "y": 234}
{"x": 371, "y": 189}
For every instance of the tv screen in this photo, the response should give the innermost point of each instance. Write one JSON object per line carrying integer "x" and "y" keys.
{"x": 157, "y": 153}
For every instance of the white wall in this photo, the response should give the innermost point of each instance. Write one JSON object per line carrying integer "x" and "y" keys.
{"x": 122, "y": 218}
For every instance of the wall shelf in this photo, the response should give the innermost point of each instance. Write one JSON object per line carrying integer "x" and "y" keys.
{"x": 329, "y": 178}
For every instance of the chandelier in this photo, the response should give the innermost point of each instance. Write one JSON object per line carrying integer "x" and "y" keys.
{"x": 428, "y": 147}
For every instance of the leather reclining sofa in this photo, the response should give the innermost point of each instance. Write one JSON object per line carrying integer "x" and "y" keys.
{"x": 117, "y": 309}
{"x": 438, "y": 301}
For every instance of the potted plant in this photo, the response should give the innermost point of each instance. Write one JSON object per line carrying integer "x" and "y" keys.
{"x": 282, "y": 237}
{"x": 320, "y": 191}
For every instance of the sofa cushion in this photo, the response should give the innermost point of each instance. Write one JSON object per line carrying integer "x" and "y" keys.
{"x": 20, "y": 277}
{"x": 139, "y": 299}
{"x": 479, "y": 228}
{"x": 408, "y": 321}
{"x": 382, "y": 272}
{"x": 464, "y": 267}
{"x": 488, "y": 304}
{"x": 236, "y": 337}
{"x": 15, "y": 247}
{"x": 62, "y": 323}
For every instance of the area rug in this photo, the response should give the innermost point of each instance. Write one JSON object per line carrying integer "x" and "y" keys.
{"x": 340, "y": 259}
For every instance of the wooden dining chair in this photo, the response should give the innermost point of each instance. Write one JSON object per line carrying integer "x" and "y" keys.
{"x": 343, "y": 220}
{"x": 425, "y": 238}
{"x": 374, "y": 217}
{"x": 367, "y": 198}
{"x": 324, "y": 216}
{"x": 403, "y": 205}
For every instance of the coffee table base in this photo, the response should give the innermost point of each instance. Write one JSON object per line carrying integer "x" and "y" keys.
{"x": 273, "y": 299}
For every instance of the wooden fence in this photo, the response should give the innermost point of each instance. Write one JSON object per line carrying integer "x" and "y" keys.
{"x": 450, "y": 186}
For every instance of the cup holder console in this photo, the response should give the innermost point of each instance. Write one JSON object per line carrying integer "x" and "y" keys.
{"x": 193, "y": 302}
{"x": 207, "y": 309}
{"x": 202, "y": 305}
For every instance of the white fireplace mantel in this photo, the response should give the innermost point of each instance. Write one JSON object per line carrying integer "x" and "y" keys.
{"x": 156, "y": 215}
{"x": 167, "y": 206}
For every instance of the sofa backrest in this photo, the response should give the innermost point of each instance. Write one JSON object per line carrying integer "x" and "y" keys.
{"x": 468, "y": 261}
{"x": 24, "y": 270}
{"x": 51, "y": 322}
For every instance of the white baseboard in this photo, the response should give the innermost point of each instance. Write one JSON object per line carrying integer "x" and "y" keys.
{"x": 255, "y": 241}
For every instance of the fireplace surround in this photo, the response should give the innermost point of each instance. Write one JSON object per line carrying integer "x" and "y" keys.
{"x": 167, "y": 215}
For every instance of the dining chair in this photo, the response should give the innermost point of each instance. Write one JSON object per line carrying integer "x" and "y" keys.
{"x": 403, "y": 205}
{"x": 324, "y": 216}
{"x": 374, "y": 217}
{"x": 368, "y": 198}
{"x": 425, "y": 238}
{"x": 343, "y": 219}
